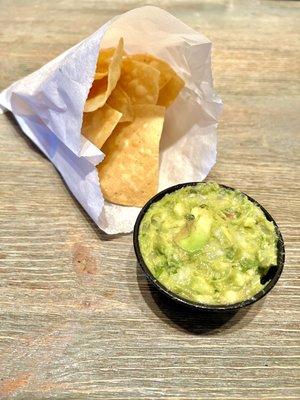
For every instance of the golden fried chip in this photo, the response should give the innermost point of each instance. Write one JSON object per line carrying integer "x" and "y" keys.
{"x": 100, "y": 75}
{"x": 166, "y": 72}
{"x": 97, "y": 98}
{"x": 99, "y": 124}
{"x": 99, "y": 86}
{"x": 129, "y": 172}
{"x": 104, "y": 59}
{"x": 120, "y": 101}
{"x": 170, "y": 91}
{"x": 140, "y": 81}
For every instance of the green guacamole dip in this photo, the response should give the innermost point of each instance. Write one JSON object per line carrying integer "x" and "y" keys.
{"x": 208, "y": 244}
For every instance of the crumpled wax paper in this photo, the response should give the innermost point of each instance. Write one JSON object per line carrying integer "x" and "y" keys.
{"x": 48, "y": 105}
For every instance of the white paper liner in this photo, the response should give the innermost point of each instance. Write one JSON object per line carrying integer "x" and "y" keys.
{"x": 48, "y": 105}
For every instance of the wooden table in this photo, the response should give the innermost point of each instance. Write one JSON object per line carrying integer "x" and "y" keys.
{"x": 78, "y": 320}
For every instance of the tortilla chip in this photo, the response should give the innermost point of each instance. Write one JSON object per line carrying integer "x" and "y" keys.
{"x": 100, "y": 75}
{"x": 98, "y": 87}
{"x": 120, "y": 101}
{"x": 129, "y": 172}
{"x": 98, "y": 125}
{"x": 104, "y": 60}
{"x": 140, "y": 81}
{"x": 97, "y": 99}
{"x": 166, "y": 72}
{"x": 170, "y": 91}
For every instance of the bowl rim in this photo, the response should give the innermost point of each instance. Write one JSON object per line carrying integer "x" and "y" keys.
{"x": 196, "y": 305}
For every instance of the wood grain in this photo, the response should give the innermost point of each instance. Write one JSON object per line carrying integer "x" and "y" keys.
{"x": 78, "y": 319}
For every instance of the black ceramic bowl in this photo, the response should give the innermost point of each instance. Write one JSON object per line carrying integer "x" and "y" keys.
{"x": 272, "y": 275}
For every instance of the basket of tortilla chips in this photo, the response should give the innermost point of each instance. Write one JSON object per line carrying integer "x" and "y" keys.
{"x": 124, "y": 113}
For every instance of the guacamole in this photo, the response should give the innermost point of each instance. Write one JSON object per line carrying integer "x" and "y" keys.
{"x": 208, "y": 244}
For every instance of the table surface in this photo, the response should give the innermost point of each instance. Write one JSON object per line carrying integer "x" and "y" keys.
{"x": 78, "y": 319}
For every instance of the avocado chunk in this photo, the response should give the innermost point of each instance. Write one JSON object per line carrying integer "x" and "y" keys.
{"x": 199, "y": 233}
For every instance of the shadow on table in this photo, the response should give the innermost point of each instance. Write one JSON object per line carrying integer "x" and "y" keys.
{"x": 187, "y": 319}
